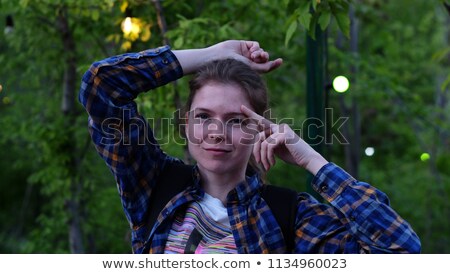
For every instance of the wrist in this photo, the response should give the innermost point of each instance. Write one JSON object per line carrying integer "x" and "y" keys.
{"x": 193, "y": 59}
{"x": 315, "y": 163}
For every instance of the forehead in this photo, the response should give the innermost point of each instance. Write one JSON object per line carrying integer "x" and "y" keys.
{"x": 220, "y": 97}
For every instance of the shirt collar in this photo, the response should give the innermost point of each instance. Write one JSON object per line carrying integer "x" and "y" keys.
{"x": 240, "y": 194}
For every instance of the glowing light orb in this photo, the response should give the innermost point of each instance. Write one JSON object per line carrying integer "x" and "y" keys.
{"x": 425, "y": 157}
{"x": 341, "y": 84}
{"x": 369, "y": 151}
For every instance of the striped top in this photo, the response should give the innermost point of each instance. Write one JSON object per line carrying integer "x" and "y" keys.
{"x": 202, "y": 228}
{"x": 357, "y": 217}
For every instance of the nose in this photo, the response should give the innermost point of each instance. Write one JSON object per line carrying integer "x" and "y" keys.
{"x": 215, "y": 131}
{"x": 216, "y": 137}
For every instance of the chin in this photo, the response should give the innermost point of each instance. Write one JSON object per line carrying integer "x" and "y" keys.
{"x": 218, "y": 167}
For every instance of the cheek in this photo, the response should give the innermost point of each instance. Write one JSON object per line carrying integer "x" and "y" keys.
{"x": 194, "y": 133}
{"x": 246, "y": 134}
{"x": 241, "y": 136}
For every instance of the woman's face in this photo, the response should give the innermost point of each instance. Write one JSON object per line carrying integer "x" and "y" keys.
{"x": 220, "y": 137}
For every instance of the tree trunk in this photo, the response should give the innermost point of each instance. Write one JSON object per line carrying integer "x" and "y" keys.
{"x": 176, "y": 97}
{"x": 355, "y": 154}
{"x": 351, "y": 130}
{"x": 68, "y": 111}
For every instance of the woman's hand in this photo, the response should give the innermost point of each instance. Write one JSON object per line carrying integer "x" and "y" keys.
{"x": 248, "y": 52}
{"x": 281, "y": 141}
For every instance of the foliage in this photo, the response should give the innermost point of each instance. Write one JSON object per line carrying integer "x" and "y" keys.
{"x": 399, "y": 79}
{"x": 311, "y": 14}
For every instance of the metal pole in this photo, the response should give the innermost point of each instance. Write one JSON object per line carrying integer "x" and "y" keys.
{"x": 315, "y": 96}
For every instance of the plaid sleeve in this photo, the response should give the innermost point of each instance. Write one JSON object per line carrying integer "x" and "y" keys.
{"x": 359, "y": 219}
{"x": 120, "y": 134}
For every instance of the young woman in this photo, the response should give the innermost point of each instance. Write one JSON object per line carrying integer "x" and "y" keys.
{"x": 222, "y": 209}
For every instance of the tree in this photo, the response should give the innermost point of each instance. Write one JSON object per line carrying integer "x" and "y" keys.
{"x": 60, "y": 196}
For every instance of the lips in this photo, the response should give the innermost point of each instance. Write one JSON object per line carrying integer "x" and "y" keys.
{"x": 217, "y": 150}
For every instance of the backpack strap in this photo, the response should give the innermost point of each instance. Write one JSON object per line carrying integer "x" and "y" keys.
{"x": 173, "y": 179}
{"x": 283, "y": 204}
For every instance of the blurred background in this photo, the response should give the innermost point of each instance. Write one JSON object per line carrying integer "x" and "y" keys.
{"x": 57, "y": 195}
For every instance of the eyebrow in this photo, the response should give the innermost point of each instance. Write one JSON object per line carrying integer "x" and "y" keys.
{"x": 226, "y": 114}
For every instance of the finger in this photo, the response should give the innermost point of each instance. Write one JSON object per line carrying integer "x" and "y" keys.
{"x": 263, "y": 153}
{"x": 252, "y": 45}
{"x": 273, "y": 141}
{"x": 259, "y": 120}
{"x": 259, "y": 56}
{"x": 275, "y": 64}
{"x": 247, "y": 47}
{"x": 266, "y": 66}
{"x": 257, "y": 148}
{"x": 260, "y": 137}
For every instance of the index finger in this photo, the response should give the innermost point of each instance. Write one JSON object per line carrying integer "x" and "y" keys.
{"x": 260, "y": 120}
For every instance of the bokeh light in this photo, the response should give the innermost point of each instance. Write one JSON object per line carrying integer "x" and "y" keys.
{"x": 341, "y": 84}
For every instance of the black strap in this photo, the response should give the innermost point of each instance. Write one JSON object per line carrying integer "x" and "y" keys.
{"x": 283, "y": 204}
{"x": 173, "y": 179}
{"x": 176, "y": 177}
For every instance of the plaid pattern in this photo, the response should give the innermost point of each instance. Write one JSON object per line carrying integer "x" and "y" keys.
{"x": 357, "y": 219}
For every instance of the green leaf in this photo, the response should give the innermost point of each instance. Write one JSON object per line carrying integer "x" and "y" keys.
{"x": 340, "y": 12}
{"x": 324, "y": 19}
{"x": 95, "y": 15}
{"x": 24, "y": 3}
{"x": 312, "y": 27}
{"x": 446, "y": 83}
{"x": 304, "y": 8}
{"x": 343, "y": 22}
{"x": 441, "y": 54}
{"x": 314, "y": 4}
{"x": 305, "y": 20}
{"x": 290, "y": 31}
{"x": 178, "y": 42}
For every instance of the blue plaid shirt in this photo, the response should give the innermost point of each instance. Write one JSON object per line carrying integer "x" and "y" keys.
{"x": 358, "y": 218}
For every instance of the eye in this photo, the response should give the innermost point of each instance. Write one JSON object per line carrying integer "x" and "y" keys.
{"x": 202, "y": 116}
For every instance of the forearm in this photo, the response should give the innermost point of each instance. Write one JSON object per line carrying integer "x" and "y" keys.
{"x": 368, "y": 215}
{"x": 193, "y": 59}
{"x": 248, "y": 52}
{"x": 117, "y": 80}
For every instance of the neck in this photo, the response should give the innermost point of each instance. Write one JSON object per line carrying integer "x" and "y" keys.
{"x": 219, "y": 185}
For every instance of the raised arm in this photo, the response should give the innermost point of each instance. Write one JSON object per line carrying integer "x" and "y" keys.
{"x": 122, "y": 137}
{"x": 359, "y": 220}
{"x": 248, "y": 52}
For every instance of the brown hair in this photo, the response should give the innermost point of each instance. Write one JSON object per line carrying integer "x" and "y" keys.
{"x": 231, "y": 71}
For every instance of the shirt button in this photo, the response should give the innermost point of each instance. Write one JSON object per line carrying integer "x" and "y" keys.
{"x": 165, "y": 61}
{"x": 157, "y": 51}
{"x": 352, "y": 218}
{"x": 324, "y": 188}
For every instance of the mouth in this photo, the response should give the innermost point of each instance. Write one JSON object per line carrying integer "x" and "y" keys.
{"x": 217, "y": 151}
